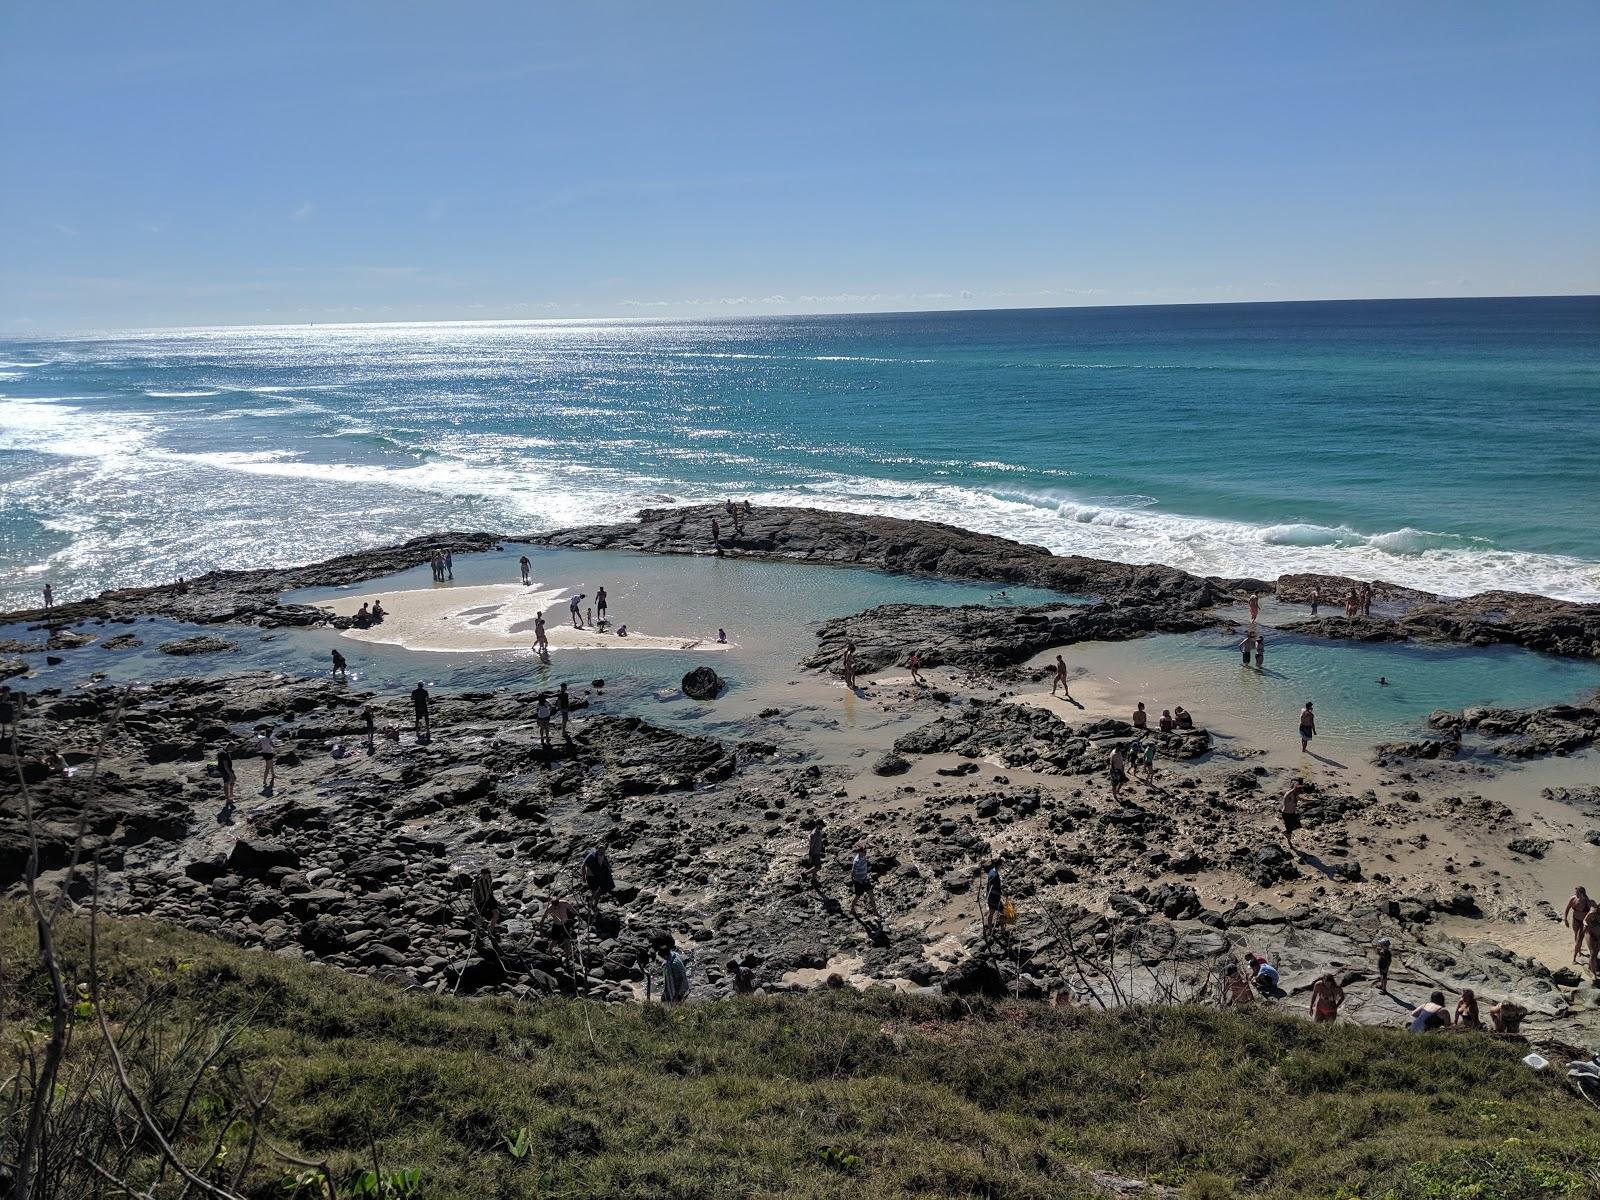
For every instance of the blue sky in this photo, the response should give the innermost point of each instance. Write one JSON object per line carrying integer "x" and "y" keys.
{"x": 176, "y": 163}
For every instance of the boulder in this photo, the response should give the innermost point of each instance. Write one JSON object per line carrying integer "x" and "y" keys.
{"x": 702, "y": 683}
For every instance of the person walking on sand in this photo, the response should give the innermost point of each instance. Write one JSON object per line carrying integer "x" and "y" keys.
{"x": 1118, "y": 768}
{"x": 575, "y": 606}
{"x": 49, "y": 597}
{"x": 848, "y": 665}
{"x": 228, "y": 776}
{"x": 1577, "y": 909}
{"x": 541, "y": 643}
{"x": 1308, "y": 727}
{"x": 421, "y": 722}
{"x": 527, "y": 570}
{"x": 339, "y": 671}
{"x": 269, "y": 758}
{"x": 994, "y": 897}
{"x": 861, "y": 882}
{"x": 915, "y": 663}
{"x": 600, "y": 604}
{"x": 1245, "y": 647}
{"x": 1326, "y": 996}
{"x": 1289, "y": 810}
{"x": 1261, "y": 653}
{"x": 1060, "y": 680}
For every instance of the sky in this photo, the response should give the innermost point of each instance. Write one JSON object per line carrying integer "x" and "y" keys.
{"x": 181, "y": 163}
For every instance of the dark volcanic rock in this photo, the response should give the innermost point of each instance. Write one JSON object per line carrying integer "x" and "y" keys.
{"x": 890, "y": 764}
{"x": 702, "y": 683}
{"x": 256, "y": 856}
{"x": 202, "y": 644}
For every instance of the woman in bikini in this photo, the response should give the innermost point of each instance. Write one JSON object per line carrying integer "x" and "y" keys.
{"x": 1467, "y": 1010}
{"x": 1326, "y": 996}
{"x": 1577, "y": 910}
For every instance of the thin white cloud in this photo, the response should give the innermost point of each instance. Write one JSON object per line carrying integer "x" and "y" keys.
{"x": 301, "y": 213}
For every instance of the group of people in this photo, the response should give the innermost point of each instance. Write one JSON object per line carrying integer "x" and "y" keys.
{"x": 444, "y": 566}
{"x": 735, "y": 513}
{"x": 1139, "y": 755}
{"x": 366, "y": 617}
{"x": 1582, "y": 916}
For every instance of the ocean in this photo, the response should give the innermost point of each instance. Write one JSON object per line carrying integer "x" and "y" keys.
{"x": 1448, "y": 444}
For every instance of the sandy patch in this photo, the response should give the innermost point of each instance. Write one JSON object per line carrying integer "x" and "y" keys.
{"x": 496, "y": 616}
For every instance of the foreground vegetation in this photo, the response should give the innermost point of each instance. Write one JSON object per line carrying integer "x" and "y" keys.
{"x": 816, "y": 1096}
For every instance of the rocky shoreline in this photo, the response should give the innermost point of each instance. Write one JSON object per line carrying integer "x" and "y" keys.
{"x": 887, "y": 543}
{"x": 362, "y": 858}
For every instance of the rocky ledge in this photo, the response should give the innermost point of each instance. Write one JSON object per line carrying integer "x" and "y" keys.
{"x": 1504, "y": 732}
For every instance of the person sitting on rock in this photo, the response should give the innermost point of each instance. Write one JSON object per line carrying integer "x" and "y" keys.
{"x": 1467, "y": 1010}
{"x": 1141, "y": 719}
{"x": 1181, "y": 717}
{"x": 1166, "y": 724}
{"x": 378, "y": 614}
{"x": 1433, "y": 1015}
{"x": 742, "y": 978}
{"x": 485, "y": 904}
{"x": 1506, "y": 1017}
{"x": 363, "y": 617}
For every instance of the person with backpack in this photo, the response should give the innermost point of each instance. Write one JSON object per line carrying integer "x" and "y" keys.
{"x": 674, "y": 975}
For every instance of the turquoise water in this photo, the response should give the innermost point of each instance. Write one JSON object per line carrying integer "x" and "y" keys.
{"x": 1450, "y": 444}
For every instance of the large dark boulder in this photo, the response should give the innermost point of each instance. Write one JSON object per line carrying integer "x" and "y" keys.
{"x": 702, "y": 683}
{"x": 257, "y": 856}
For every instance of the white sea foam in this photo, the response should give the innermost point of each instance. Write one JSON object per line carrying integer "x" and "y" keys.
{"x": 181, "y": 395}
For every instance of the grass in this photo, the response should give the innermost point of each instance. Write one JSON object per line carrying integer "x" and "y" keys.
{"x": 832, "y": 1094}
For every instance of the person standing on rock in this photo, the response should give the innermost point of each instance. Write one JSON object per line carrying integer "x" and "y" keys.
{"x": 1316, "y": 601}
{"x": 49, "y": 598}
{"x": 564, "y": 711}
{"x": 861, "y": 882}
{"x": 485, "y": 903}
{"x": 1289, "y": 810}
{"x": 1385, "y": 961}
{"x": 1150, "y": 762}
{"x": 1326, "y": 996}
{"x": 421, "y": 723}
{"x": 541, "y": 715}
{"x": 561, "y": 920}
{"x": 269, "y": 758}
{"x": 1118, "y": 769}
{"x": 849, "y": 665}
{"x": 595, "y": 870}
{"x": 674, "y": 975}
{"x": 229, "y": 778}
{"x": 339, "y": 665}
{"x": 716, "y": 530}
{"x": 600, "y": 604}
{"x": 994, "y": 897}
{"x": 1060, "y": 680}
{"x": 1308, "y": 727}
{"x": 1577, "y": 909}
{"x": 816, "y": 850}
{"x": 527, "y": 570}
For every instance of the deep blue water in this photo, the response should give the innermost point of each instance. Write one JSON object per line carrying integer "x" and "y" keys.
{"x": 1451, "y": 444}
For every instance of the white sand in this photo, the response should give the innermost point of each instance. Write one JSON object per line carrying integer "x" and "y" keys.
{"x": 497, "y": 616}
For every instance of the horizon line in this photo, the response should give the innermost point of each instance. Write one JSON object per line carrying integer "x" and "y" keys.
{"x": 737, "y": 317}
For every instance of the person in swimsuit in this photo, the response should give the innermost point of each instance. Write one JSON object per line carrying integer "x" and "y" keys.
{"x": 1591, "y": 925}
{"x": 1149, "y": 762}
{"x": 1117, "y": 767}
{"x": 527, "y": 569}
{"x": 560, "y": 919}
{"x": 915, "y": 663}
{"x": 1141, "y": 719}
{"x": 1060, "y": 680}
{"x": 722, "y": 636}
{"x": 1255, "y": 607}
{"x": 1467, "y": 1010}
{"x": 1385, "y": 961}
{"x": 1261, "y": 653}
{"x": 1289, "y": 810}
{"x": 1577, "y": 909}
{"x": 1245, "y": 648}
{"x": 1326, "y": 996}
{"x": 600, "y": 603}
{"x": 541, "y": 714}
{"x": 849, "y": 665}
{"x": 541, "y": 643}
{"x": 1167, "y": 724}
{"x": 716, "y": 530}
{"x": 1235, "y": 988}
{"x": 1426, "y": 1018}
{"x": 1316, "y": 601}
{"x": 1308, "y": 727}
{"x": 362, "y": 618}
{"x": 339, "y": 671}
{"x": 378, "y": 613}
